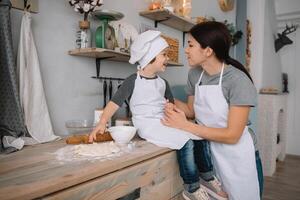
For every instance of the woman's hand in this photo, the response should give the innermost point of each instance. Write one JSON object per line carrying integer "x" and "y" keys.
{"x": 100, "y": 128}
{"x": 174, "y": 118}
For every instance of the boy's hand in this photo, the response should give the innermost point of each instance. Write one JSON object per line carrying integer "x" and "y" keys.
{"x": 174, "y": 118}
{"x": 100, "y": 128}
{"x": 169, "y": 106}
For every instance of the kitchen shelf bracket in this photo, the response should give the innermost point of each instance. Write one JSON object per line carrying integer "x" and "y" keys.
{"x": 98, "y": 64}
{"x": 158, "y": 21}
{"x": 183, "y": 37}
{"x": 108, "y": 78}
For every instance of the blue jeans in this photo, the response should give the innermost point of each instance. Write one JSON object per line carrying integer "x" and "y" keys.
{"x": 194, "y": 160}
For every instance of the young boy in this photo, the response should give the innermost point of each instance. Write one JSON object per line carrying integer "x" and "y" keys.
{"x": 147, "y": 94}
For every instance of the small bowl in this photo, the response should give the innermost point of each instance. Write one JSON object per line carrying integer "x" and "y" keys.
{"x": 79, "y": 126}
{"x": 122, "y": 134}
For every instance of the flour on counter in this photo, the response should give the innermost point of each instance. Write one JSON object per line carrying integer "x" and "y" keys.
{"x": 95, "y": 151}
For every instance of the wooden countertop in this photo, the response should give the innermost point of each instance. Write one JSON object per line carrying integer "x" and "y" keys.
{"x": 34, "y": 171}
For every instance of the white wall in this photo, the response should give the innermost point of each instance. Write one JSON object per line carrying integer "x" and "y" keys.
{"x": 272, "y": 72}
{"x": 70, "y": 92}
{"x": 265, "y": 63}
{"x": 287, "y": 6}
{"x": 288, "y": 12}
{"x": 290, "y": 59}
{"x": 255, "y": 12}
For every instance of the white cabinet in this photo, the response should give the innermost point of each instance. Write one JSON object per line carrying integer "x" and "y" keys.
{"x": 272, "y": 130}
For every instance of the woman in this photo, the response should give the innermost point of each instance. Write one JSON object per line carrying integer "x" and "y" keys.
{"x": 224, "y": 93}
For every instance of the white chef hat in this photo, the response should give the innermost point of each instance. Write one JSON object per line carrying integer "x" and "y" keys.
{"x": 146, "y": 47}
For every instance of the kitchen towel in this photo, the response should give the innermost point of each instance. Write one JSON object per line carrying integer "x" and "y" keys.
{"x": 32, "y": 94}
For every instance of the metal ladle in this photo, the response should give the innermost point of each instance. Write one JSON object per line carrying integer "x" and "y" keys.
{"x": 104, "y": 93}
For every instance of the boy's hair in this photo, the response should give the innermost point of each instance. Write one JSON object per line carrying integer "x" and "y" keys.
{"x": 153, "y": 60}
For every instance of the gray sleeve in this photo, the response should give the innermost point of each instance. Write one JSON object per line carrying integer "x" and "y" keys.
{"x": 193, "y": 77}
{"x": 168, "y": 93}
{"x": 242, "y": 91}
{"x": 125, "y": 91}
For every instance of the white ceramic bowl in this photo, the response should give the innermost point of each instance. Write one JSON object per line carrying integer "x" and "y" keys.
{"x": 122, "y": 134}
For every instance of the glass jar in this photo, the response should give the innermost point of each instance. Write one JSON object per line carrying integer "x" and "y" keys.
{"x": 183, "y": 7}
{"x": 167, "y": 4}
{"x": 154, "y": 4}
{"x": 83, "y": 36}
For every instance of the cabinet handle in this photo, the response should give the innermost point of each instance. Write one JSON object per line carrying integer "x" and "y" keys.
{"x": 135, "y": 194}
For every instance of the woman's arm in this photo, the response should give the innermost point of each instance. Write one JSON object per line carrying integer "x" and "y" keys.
{"x": 187, "y": 108}
{"x": 237, "y": 120}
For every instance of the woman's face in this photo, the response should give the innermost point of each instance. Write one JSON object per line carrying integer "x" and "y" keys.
{"x": 196, "y": 55}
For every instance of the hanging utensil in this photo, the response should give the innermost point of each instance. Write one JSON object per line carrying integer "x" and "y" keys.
{"x": 110, "y": 89}
{"x": 104, "y": 93}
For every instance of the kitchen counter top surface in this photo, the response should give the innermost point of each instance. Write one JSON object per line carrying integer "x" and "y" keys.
{"x": 35, "y": 172}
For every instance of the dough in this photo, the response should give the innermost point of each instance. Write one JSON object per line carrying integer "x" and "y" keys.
{"x": 96, "y": 149}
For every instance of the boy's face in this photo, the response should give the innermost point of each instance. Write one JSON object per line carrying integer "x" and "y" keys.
{"x": 161, "y": 61}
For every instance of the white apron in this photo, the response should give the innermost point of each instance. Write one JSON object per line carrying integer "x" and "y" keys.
{"x": 147, "y": 106}
{"x": 234, "y": 163}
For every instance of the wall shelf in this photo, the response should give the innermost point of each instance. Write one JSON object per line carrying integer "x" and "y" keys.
{"x": 168, "y": 18}
{"x": 101, "y": 53}
{"x": 108, "y": 54}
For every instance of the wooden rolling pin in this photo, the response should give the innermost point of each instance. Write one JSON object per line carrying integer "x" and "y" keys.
{"x": 84, "y": 139}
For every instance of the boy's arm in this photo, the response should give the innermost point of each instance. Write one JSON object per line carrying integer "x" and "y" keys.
{"x": 108, "y": 112}
{"x": 168, "y": 93}
{"x": 122, "y": 94}
{"x": 187, "y": 108}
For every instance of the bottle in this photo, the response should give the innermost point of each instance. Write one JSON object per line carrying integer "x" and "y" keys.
{"x": 167, "y": 5}
{"x": 183, "y": 7}
{"x": 83, "y": 36}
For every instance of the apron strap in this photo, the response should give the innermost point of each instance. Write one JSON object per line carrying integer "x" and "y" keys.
{"x": 138, "y": 75}
{"x": 198, "y": 83}
{"x": 221, "y": 75}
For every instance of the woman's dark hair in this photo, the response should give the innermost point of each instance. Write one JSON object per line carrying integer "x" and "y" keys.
{"x": 216, "y": 36}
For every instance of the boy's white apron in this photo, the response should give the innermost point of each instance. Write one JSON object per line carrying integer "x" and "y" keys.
{"x": 147, "y": 106}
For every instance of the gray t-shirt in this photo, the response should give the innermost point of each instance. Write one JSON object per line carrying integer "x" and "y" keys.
{"x": 124, "y": 93}
{"x": 237, "y": 87}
